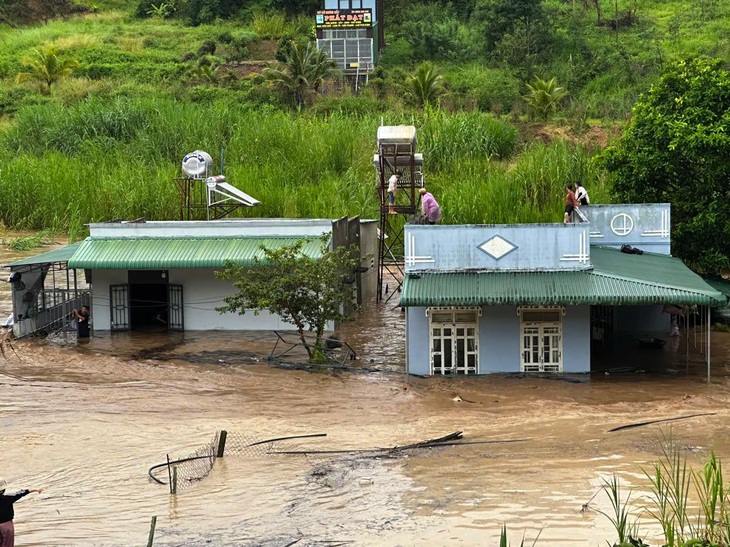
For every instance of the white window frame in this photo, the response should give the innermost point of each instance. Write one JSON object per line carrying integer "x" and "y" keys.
{"x": 536, "y": 326}
{"x": 448, "y": 319}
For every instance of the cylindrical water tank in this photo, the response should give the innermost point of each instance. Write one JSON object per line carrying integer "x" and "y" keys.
{"x": 197, "y": 164}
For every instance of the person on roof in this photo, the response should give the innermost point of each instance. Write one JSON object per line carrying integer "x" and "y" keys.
{"x": 430, "y": 207}
{"x": 581, "y": 194}
{"x": 570, "y": 204}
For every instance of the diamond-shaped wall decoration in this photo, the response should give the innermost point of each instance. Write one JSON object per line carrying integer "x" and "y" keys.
{"x": 497, "y": 247}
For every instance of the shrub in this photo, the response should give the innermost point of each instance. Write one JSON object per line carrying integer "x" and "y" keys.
{"x": 491, "y": 89}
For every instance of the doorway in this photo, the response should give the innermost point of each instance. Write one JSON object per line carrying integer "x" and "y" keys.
{"x": 148, "y": 300}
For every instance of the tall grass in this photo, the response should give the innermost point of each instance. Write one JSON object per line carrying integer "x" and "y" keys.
{"x": 620, "y": 514}
{"x": 678, "y": 491}
{"x": 100, "y": 160}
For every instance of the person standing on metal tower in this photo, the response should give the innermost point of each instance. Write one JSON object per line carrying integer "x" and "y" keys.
{"x": 392, "y": 189}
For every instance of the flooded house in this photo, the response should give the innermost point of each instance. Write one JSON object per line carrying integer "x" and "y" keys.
{"x": 162, "y": 273}
{"x": 482, "y": 299}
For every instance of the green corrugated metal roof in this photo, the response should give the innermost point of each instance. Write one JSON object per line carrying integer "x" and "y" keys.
{"x": 616, "y": 279}
{"x": 62, "y": 254}
{"x": 176, "y": 252}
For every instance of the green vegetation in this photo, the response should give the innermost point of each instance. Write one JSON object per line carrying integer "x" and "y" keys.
{"x": 306, "y": 292}
{"x": 302, "y": 73}
{"x": 425, "y": 86}
{"x": 29, "y": 242}
{"x": 156, "y": 80}
{"x": 677, "y": 150}
{"x": 109, "y": 159}
{"x": 46, "y": 67}
{"x": 544, "y": 97}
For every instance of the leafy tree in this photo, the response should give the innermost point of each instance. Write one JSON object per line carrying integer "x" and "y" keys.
{"x": 302, "y": 74}
{"x": 677, "y": 150}
{"x": 304, "y": 291}
{"x": 293, "y": 7}
{"x": 502, "y": 17}
{"x": 46, "y": 67}
{"x": 425, "y": 85}
{"x": 544, "y": 97}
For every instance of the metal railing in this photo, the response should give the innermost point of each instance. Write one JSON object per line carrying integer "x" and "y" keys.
{"x": 53, "y": 310}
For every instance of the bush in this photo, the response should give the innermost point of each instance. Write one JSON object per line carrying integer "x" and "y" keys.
{"x": 398, "y": 53}
{"x": 448, "y": 138}
{"x": 490, "y": 89}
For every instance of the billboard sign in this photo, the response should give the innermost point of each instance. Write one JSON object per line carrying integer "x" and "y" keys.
{"x": 350, "y": 18}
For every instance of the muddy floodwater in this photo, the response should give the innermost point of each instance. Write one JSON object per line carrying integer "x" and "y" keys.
{"x": 86, "y": 422}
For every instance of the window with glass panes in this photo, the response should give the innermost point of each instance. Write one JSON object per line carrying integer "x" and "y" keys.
{"x": 348, "y": 48}
{"x": 454, "y": 341}
{"x": 542, "y": 340}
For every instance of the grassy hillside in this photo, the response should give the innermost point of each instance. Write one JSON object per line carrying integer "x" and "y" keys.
{"x": 108, "y": 139}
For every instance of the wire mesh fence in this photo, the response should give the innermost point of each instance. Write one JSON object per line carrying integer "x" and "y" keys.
{"x": 181, "y": 473}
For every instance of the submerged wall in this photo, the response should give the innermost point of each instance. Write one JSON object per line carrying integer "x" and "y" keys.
{"x": 202, "y": 294}
{"x": 499, "y": 340}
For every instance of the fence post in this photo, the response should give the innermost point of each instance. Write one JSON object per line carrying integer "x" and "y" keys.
{"x": 173, "y": 485}
{"x": 153, "y": 525}
{"x": 221, "y": 443}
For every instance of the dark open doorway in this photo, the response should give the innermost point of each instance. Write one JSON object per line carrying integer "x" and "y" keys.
{"x": 148, "y": 299}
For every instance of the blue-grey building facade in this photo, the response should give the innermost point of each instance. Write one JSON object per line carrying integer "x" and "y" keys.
{"x": 481, "y": 299}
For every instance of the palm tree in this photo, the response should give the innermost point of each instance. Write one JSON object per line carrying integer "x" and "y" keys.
{"x": 544, "y": 97}
{"x": 207, "y": 73}
{"x": 425, "y": 86}
{"x": 302, "y": 74}
{"x": 46, "y": 67}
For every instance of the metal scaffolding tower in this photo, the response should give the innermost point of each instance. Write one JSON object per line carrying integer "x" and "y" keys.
{"x": 396, "y": 152}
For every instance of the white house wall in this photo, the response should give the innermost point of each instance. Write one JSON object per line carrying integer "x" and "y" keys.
{"x": 202, "y": 294}
{"x": 100, "y": 305}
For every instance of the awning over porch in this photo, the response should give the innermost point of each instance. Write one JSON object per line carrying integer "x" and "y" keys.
{"x": 175, "y": 252}
{"x": 62, "y": 254}
{"x": 616, "y": 279}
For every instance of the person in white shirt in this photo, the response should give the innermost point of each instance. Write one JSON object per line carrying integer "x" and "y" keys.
{"x": 392, "y": 189}
{"x": 581, "y": 194}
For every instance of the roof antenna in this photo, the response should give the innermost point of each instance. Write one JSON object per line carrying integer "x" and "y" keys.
{"x": 222, "y": 156}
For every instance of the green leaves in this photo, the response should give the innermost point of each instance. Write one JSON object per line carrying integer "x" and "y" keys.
{"x": 306, "y": 292}
{"x": 677, "y": 150}
{"x": 544, "y": 97}
{"x": 425, "y": 85}
{"x": 302, "y": 74}
{"x": 46, "y": 67}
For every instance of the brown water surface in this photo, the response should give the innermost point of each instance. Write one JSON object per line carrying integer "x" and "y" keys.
{"x": 85, "y": 422}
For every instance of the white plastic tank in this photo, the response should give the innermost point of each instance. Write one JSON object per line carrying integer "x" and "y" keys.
{"x": 400, "y": 137}
{"x": 197, "y": 164}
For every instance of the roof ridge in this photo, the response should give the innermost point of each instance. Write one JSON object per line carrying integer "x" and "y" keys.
{"x": 178, "y": 237}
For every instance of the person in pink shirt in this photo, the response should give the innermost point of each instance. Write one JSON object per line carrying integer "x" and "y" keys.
{"x": 430, "y": 207}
